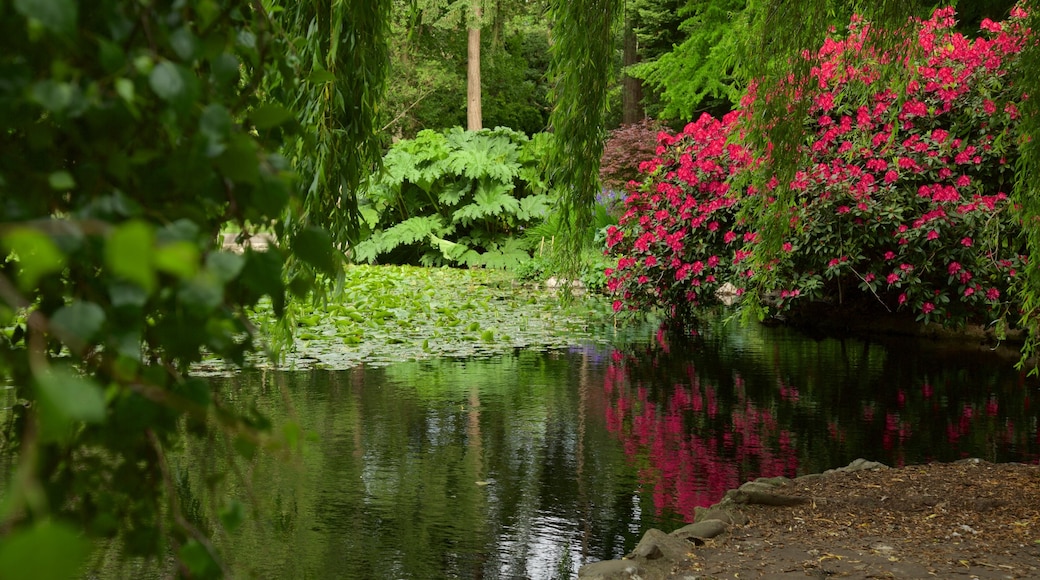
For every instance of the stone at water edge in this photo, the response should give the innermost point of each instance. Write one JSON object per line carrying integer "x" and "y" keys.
{"x": 611, "y": 570}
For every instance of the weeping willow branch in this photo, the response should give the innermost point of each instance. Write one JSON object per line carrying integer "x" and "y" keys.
{"x": 583, "y": 47}
{"x": 342, "y": 56}
{"x": 1026, "y": 194}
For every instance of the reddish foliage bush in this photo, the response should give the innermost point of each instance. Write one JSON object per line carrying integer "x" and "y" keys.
{"x": 623, "y": 150}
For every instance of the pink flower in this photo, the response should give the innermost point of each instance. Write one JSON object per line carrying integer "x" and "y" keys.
{"x": 966, "y": 242}
{"x": 869, "y": 277}
{"x": 953, "y": 268}
{"x": 843, "y": 209}
{"x": 992, "y": 294}
{"x": 969, "y": 291}
{"x": 892, "y": 279}
{"x": 890, "y": 255}
{"x": 787, "y": 247}
{"x": 617, "y": 305}
{"x": 729, "y": 237}
{"x": 891, "y": 176}
{"x": 927, "y": 307}
{"x": 833, "y": 263}
{"x": 933, "y": 235}
{"x": 902, "y": 298}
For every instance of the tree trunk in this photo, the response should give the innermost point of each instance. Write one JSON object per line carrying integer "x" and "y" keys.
{"x": 631, "y": 88}
{"x": 474, "y": 119}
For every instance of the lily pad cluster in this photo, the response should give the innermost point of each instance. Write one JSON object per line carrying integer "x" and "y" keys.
{"x": 387, "y": 314}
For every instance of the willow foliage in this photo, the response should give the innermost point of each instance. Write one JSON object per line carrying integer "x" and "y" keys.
{"x": 583, "y": 47}
{"x": 341, "y": 57}
{"x": 1027, "y": 186}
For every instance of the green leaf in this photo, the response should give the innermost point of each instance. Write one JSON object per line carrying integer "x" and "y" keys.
{"x": 58, "y": 16}
{"x": 270, "y": 115}
{"x": 320, "y": 76}
{"x": 314, "y": 246}
{"x": 125, "y": 89}
{"x": 232, "y": 515}
{"x": 46, "y": 551}
{"x": 70, "y": 397}
{"x": 225, "y": 266}
{"x": 61, "y": 181}
{"x": 166, "y": 81}
{"x": 203, "y": 293}
{"x": 178, "y": 258}
{"x": 239, "y": 162}
{"x": 183, "y": 43}
{"x": 38, "y": 255}
{"x": 129, "y": 253}
{"x": 215, "y": 123}
{"x": 78, "y": 322}
{"x": 225, "y": 69}
{"x": 52, "y": 95}
{"x": 195, "y": 556}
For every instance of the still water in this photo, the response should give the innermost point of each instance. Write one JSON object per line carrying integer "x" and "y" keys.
{"x": 531, "y": 464}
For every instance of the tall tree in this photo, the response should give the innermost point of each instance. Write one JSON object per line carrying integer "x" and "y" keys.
{"x": 631, "y": 87}
{"x": 474, "y": 118}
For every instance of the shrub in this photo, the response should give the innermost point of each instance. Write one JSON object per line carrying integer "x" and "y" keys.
{"x": 900, "y": 203}
{"x": 623, "y": 150}
{"x": 679, "y": 239}
{"x": 456, "y": 198}
{"x": 903, "y": 196}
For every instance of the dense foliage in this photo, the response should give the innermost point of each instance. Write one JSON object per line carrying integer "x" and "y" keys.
{"x": 428, "y": 65}
{"x": 131, "y": 133}
{"x": 900, "y": 203}
{"x": 456, "y": 197}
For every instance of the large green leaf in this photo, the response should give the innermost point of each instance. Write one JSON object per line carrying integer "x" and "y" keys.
{"x": 58, "y": 16}
{"x": 45, "y": 551}
{"x": 491, "y": 200}
{"x": 68, "y": 396}
{"x": 78, "y": 322}
{"x": 129, "y": 253}
{"x": 37, "y": 254}
{"x": 314, "y": 246}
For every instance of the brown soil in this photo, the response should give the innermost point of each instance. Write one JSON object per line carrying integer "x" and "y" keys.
{"x": 969, "y": 519}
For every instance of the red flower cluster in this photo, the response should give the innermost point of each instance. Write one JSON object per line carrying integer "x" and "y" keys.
{"x": 676, "y": 240}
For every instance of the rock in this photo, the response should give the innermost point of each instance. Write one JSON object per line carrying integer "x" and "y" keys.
{"x": 726, "y": 514}
{"x": 702, "y": 530}
{"x": 612, "y": 570}
{"x": 758, "y": 492}
{"x": 858, "y": 465}
{"x": 656, "y": 545}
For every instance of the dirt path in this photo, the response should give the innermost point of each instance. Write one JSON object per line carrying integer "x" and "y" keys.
{"x": 969, "y": 519}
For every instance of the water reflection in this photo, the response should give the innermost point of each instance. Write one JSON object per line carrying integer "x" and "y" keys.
{"x": 701, "y": 417}
{"x": 530, "y": 464}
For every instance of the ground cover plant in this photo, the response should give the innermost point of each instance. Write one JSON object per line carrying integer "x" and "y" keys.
{"x": 899, "y": 203}
{"x": 456, "y": 197}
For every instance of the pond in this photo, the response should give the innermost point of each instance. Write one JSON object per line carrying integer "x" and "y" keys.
{"x": 530, "y": 464}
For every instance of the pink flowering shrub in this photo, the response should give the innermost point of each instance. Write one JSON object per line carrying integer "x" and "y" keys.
{"x": 901, "y": 202}
{"x": 678, "y": 239}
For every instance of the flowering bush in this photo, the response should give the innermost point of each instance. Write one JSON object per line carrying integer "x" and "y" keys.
{"x": 901, "y": 202}
{"x": 678, "y": 239}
